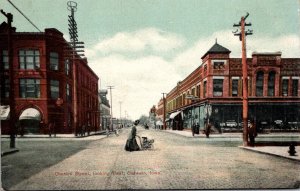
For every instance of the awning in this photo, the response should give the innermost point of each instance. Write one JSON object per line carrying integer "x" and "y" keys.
{"x": 4, "y": 112}
{"x": 30, "y": 113}
{"x": 159, "y": 123}
{"x": 174, "y": 114}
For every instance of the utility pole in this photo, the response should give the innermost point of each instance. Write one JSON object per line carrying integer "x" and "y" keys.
{"x": 242, "y": 35}
{"x": 120, "y": 111}
{"x": 164, "y": 110}
{"x": 12, "y": 114}
{"x": 111, "y": 113}
{"x": 71, "y": 51}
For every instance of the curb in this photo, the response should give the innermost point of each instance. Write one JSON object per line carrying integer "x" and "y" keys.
{"x": 271, "y": 154}
{"x": 11, "y": 151}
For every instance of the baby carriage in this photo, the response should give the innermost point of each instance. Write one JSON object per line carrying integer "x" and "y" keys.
{"x": 146, "y": 143}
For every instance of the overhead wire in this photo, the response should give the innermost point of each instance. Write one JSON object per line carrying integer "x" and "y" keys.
{"x": 24, "y": 15}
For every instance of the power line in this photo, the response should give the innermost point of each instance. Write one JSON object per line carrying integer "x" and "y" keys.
{"x": 24, "y": 15}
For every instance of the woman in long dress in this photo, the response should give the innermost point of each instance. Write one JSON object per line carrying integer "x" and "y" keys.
{"x": 131, "y": 144}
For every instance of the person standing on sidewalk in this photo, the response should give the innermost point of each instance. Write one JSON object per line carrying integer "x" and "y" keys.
{"x": 252, "y": 133}
{"x": 207, "y": 129}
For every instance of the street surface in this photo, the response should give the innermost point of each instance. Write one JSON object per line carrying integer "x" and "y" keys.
{"x": 176, "y": 162}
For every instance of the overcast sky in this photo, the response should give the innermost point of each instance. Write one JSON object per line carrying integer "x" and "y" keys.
{"x": 144, "y": 47}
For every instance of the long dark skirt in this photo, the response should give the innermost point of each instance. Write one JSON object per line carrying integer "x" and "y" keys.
{"x": 131, "y": 145}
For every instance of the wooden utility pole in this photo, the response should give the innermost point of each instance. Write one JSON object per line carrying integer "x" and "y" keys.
{"x": 242, "y": 34}
{"x": 111, "y": 113}
{"x": 12, "y": 120}
{"x": 164, "y": 110}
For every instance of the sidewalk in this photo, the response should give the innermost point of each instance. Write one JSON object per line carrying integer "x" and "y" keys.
{"x": 279, "y": 151}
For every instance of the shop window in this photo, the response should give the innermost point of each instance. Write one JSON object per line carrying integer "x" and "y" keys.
{"x": 295, "y": 83}
{"x": 53, "y": 61}
{"x": 285, "y": 87}
{"x": 204, "y": 88}
{"x": 235, "y": 87}
{"x": 218, "y": 87}
{"x": 54, "y": 89}
{"x": 259, "y": 83}
{"x": 5, "y": 59}
{"x": 30, "y": 88}
{"x": 271, "y": 84}
{"x": 29, "y": 59}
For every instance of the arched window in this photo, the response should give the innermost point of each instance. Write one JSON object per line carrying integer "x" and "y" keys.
{"x": 271, "y": 83}
{"x": 259, "y": 83}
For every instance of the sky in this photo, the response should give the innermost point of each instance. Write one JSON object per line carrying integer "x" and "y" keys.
{"x": 144, "y": 47}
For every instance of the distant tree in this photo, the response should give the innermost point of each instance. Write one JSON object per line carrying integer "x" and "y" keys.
{"x": 143, "y": 119}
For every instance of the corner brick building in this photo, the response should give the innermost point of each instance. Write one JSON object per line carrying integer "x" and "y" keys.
{"x": 43, "y": 84}
{"x": 214, "y": 91}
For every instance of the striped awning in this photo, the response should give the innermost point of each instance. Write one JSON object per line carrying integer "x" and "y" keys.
{"x": 4, "y": 112}
{"x": 30, "y": 113}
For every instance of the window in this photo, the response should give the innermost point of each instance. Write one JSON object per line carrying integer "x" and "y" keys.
{"x": 218, "y": 65}
{"x": 6, "y": 87}
{"x": 204, "y": 88}
{"x": 271, "y": 84}
{"x": 198, "y": 91}
{"x": 285, "y": 87}
{"x": 193, "y": 92}
{"x": 259, "y": 83}
{"x": 295, "y": 87}
{"x": 29, "y": 59}
{"x": 218, "y": 87}
{"x": 53, "y": 61}
{"x": 67, "y": 66}
{"x": 29, "y": 88}
{"x": 54, "y": 89}
{"x": 205, "y": 67}
{"x": 68, "y": 93}
{"x": 235, "y": 87}
{"x": 5, "y": 59}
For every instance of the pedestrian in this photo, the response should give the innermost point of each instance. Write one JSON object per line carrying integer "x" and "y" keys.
{"x": 50, "y": 128}
{"x": 193, "y": 129}
{"x": 107, "y": 130}
{"x": 207, "y": 129}
{"x": 252, "y": 133}
{"x": 131, "y": 144}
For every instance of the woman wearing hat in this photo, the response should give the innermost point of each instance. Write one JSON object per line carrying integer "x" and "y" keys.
{"x": 131, "y": 144}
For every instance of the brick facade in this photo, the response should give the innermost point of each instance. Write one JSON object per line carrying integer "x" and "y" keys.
{"x": 52, "y": 72}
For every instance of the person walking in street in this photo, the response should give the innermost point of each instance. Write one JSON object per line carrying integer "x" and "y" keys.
{"x": 252, "y": 133}
{"x": 131, "y": 144}
{"x": 107, "y": 130}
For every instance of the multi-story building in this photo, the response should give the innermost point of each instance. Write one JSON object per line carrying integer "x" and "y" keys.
{"x": 104, "y": 109}
{"x": 43, "y": 83}
{"x": 214, "y": 91}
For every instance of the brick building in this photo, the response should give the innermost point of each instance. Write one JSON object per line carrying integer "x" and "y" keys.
{"x": 43, "y": 83}
{"x": 214, "y": 91}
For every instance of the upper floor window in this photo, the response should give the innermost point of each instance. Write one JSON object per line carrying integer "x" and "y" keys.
{"x": 30, "y": 88}
{"x": 295, "y": 83}
{"x": 218, "y": 87}
{"x": 54, "y": 89}
{"x": 204, "y": 88}
{"x": 259, "y": 83}
{"x": 53, "y": 61}
{"x": 198, "y": 91}
{"x": 4, "y": 87}
{"x": 285, "y": 87}
{"x": 235, "y": 87}
{"x": 5, "y": 59}
{"x": 68, "y": 92}
{"x": 271, "y": 84}
{"x": 218, "y": 65}
{"x": 67, "y": 66}
{"x": 29, "y": 59}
